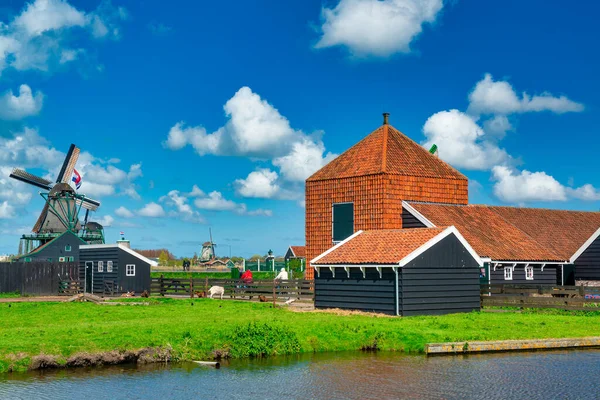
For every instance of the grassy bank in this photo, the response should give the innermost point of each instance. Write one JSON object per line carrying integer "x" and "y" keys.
{"x": 209, "y": 275}
{"x": 210, "y": 327}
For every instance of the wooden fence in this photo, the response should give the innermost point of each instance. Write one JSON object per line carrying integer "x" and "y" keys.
{"x": 36, "y": 278}
{"x": 524, "y": 296}
{"x": 296, "y": 289}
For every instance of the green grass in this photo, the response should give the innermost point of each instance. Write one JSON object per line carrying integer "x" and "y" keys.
{"x": 209, "y": 275}
{"x": 242, "y": 329}
{"x": 7, "y": 295}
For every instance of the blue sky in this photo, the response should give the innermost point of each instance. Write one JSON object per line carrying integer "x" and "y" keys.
{"x": 197, "y": 115}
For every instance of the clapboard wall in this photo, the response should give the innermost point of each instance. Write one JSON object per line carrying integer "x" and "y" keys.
{"x": 548, "y": 276}
{"x": 442, "y": 280}
{"x": 95, "y": 281}
{"x": 370, "y": 293}
{"x": 587, "y": 266}
{"x": 35, "y": 278}
{"x": 410, "y": 221}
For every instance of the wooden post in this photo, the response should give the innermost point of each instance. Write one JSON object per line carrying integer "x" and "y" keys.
{"x": 206, "y": 285}
{"x": 162, "y": 289}
{"x": 191, "y": 287}
{"x": 582, "y": 291}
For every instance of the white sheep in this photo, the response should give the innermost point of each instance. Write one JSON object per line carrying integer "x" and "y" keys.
{"x": 216, "y": 290}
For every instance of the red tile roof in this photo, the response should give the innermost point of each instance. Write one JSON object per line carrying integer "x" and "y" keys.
{"x": 299, "y": 251}
{"x": 386, "y": 150}
{"x": 561, "y": 231}
{"x": 488, "y": 232}
{"x": 387, "y": 246}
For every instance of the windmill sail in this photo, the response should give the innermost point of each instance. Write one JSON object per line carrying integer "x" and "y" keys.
{"x": 26, "y": 177}
{"x": 68, "y": 166}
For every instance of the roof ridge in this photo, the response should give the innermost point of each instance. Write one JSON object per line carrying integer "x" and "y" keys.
{"x": 520, "y": 230}
{"x": 384, "y": 155}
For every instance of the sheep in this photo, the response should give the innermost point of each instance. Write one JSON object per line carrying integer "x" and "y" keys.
{"x": 216, "y": 290}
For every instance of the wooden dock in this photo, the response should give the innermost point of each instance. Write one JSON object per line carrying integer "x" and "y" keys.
{"x": 510, "y": 345}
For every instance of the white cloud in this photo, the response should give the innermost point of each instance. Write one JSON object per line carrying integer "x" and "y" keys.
{"x": 461, "y": 141}
{"x": 6, "y": 210}
{"x": 105, "y": 221}
{"x": 499, "y": 97}
{"x": 23, "y": 105}
{"x": 216, "y": 202}
{"x": 97, "y": 190}
{"x": 525, "y": 186}
{"x": 376, "y": 27}
{"x": 196, "y": 192}
{"x": 123, "y": 212}
{"x": 152, "y": 210}
{"x": 305, "y": 158}
{"x": 182, "y": 206}
{"x": 260, "y": 184}
{"x": 100, "y": 178}
{"x": 586, "y": 192}
{"x": 40, "y": 37}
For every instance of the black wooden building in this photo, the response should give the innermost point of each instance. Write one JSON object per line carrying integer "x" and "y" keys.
{"x": 400, "y": 272}
{"x": 112, "y": 269}
{"x": 63, "y": 248}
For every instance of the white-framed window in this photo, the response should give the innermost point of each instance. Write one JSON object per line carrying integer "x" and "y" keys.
{"x": 508, "y": 271}
{"x": 71, "y": 259}
{"x": 61, "y": 259}
{"x": 68, "y": 247}
{"x": 130, "y": 270}
{"x": 100, "y": 266}
{"x": 109, "y": 266}
{"x": 529, "y": 273}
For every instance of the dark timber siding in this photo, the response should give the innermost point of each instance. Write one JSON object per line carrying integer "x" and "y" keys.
{"x": 101, "y": 280}
{"x": 355, "y": 292}
{"x": 35, "y": 278}
{"x": 141, "y": 280}
{"x": 442, "y": 280}
{"x": 587, "y": 266}
{"x": 56, "y": 249}
{"x": 547, "y": 277}
{"x": 410, "y": 221}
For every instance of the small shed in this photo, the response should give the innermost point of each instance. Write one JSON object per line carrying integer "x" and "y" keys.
{"x": 62, "y": 248}
{"x": 113, "y": 268}
{"x": 400, "y": 272}
{"x": 298, "y": 252}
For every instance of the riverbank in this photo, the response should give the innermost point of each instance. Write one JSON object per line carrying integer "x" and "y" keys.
{"x": 205, "y": 329}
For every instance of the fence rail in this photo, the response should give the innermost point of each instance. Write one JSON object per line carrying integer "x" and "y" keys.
{"x": 561, "y": 297}
{"x": 296, "y": 289}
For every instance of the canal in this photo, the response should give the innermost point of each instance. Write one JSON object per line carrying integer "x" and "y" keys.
{"x": 541, "y": 375}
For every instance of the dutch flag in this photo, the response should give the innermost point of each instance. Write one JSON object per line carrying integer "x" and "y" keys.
{"x": 76, "y": 178}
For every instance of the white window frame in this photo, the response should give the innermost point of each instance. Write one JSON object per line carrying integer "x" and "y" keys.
{"x": 100, "y": 266}
{"x": 353, "y": 220}
{"x": 529, "y": 268}
{"x": 127, "y": 270}
{"x": 109, "y": 266}
{"x": 508, "y": 273}
{"x": 61, "y": 259}
{"x": 68, "y": 247}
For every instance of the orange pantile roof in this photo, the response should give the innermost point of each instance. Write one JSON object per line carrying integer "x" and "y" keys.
{"x": 561, "y": 231}
{"x": 488, "y": 232}
{"x": 387, "y": 246}
{"x": 386, "y": 150}
{"x": 299, "y": 251}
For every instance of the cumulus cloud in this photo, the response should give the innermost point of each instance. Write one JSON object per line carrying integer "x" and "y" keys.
{"x": 123, "y": 212}
{"x": 305, "y": 158}
{"x": 376, "y": 27}
{"x": 519, "y": 187}
{"x": 586, "y": 192}
{"x": 151, "y": 210}
{"x": 259, "y": 183}
{"x": 105, "y": 221}
{"x": 42, "y": 34}
{"x": 6, "y": 210}
{"x": 216, "y": 202}
{"x": 461, "y": 141}
{"x": 499, "y": 97}
{"x": 182, "y": 207}
{"x": 196, "y": 192}
{"x": 101, "y": 178}
{"x": 22, "y": 105}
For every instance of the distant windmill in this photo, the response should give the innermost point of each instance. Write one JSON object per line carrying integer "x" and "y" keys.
{"x": 208, "y": 249}
{"x": 62, "y": 205}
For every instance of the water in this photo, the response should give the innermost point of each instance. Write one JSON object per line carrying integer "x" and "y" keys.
{"x": 543, "y": 375}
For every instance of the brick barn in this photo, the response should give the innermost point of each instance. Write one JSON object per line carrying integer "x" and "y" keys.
{"x": 388, "y": 182}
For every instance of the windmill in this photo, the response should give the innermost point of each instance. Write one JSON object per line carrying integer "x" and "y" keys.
{"x": 208, "y": 249}
{"x": 61, "y": 209}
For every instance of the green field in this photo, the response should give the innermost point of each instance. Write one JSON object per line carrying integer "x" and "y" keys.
{"x": 252, "y": 329}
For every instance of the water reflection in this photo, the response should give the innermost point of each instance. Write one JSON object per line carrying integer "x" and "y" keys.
{"x": 566, "y": 374}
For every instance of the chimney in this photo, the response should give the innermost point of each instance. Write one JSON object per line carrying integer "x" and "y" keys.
{"x": 385, "y": 118}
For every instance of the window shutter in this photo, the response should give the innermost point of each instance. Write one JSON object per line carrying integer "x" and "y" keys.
{"x": 343, "y": 221}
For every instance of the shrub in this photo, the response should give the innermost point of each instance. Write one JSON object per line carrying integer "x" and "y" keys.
{"x": 262, "y": 339}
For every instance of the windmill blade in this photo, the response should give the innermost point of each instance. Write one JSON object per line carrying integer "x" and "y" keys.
{"x": 68, "y": 166}
{"x": 26, "y": 177}
{"x": 88, "y": 204}
{"x": 40, "y": 222}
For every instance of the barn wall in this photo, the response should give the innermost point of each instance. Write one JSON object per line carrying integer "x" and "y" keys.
{"x": 373, "y": 294}
{"x": 410, "y": 221}
{"x": 141, "y": 280}
{"x": 100, "y": 279}
{"x": 56, "y": 249}
{"x": 442, "y": 280}
{"x": 587, "y": 266}
{"x": 546, "y": 277}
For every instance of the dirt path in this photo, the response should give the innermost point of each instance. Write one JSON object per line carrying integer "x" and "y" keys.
{"x": 33, "y": 299}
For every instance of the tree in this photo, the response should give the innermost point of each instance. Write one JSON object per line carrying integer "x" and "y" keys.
{"x": 163, "y": 258}
{"x": 256, "y": 257}
{"x": 195, "y": 259}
